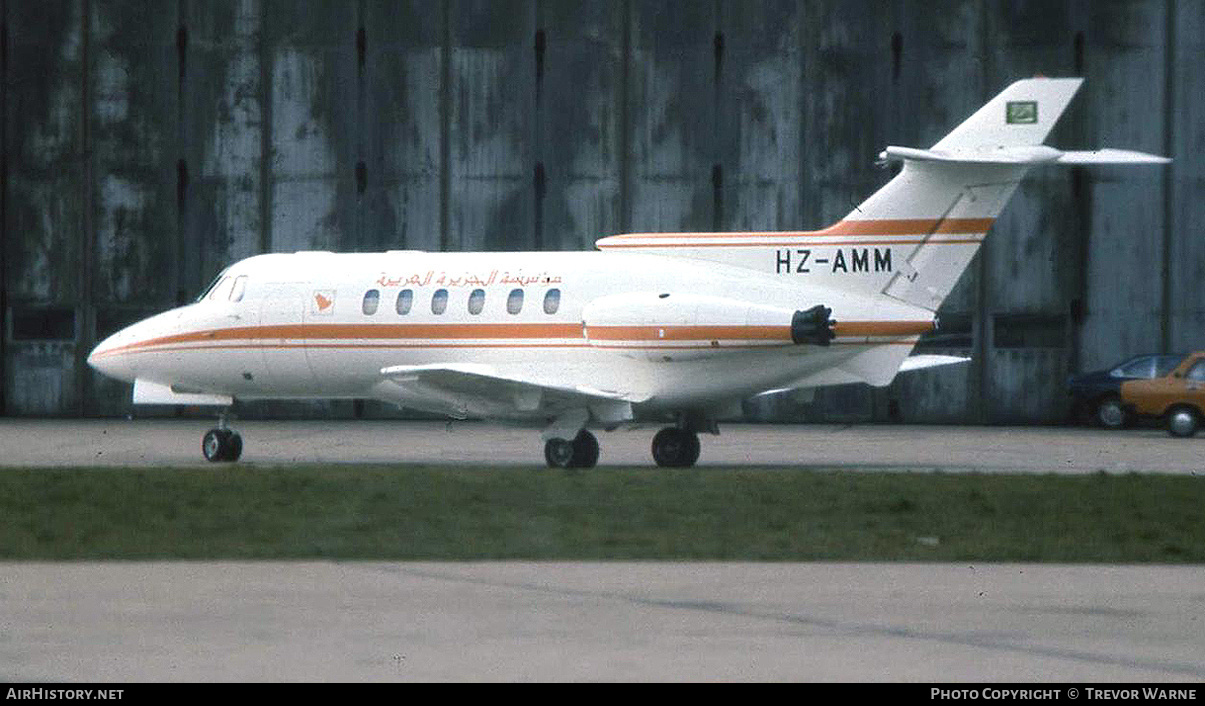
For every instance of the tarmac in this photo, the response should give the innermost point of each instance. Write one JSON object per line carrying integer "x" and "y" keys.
{"x": 177, "y": 442}
{"x": 545, "y": 622}
{"x": 324, "y": 621}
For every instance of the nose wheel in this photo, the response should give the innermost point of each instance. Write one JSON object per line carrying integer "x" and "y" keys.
{"x": 222, "y": 445}
{"x": 675, "y": 448}
{"x": 581, "y": 452}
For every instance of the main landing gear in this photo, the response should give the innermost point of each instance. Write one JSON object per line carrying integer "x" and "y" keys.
{"x": 222, "y": 444}
{"x": 581, "y": 452}
{"x": 673, "y": 447}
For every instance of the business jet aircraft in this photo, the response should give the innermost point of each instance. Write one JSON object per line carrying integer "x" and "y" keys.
{"x": 679, "y": 326}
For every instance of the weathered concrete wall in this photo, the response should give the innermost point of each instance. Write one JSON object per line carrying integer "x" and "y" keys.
{"x": 148, "y": 144}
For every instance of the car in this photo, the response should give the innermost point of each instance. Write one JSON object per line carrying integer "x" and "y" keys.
{"x": 1177, "y": 397}
{"x": 1097, "y": 396}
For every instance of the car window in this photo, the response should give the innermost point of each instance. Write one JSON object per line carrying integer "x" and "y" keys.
{"x": 1143, "y": 367}
{"x": 1165, "y": 364}
{"x": 1197, "y": 371}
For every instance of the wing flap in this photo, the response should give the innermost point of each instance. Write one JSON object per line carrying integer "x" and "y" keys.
{"x": 480, "y": 389}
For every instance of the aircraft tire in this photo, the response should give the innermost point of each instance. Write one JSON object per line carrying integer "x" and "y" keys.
{"x": 221, "y": 445}
{"x": 559, "y": 453}
{"x": 585, "y": 450}
{"x": 675, "y": 448}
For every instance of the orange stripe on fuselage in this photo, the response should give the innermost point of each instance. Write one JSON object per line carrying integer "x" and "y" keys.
{"x": 553, "y": 335}
{"x": 751, "y": 333}
{"x": 909, "y": 226}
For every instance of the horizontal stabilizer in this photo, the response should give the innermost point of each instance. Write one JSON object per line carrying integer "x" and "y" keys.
{"x": 1024, "y": 155}
{"x": 1111, "y": 156}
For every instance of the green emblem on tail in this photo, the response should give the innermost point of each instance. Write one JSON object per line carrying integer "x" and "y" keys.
{"x": 1021, "y": 112}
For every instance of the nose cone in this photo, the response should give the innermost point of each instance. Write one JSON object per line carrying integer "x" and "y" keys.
{"x": 109, "y": 357}
{"x": 130, "y": 352}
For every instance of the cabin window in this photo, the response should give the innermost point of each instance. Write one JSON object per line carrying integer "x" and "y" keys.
{"x": 372, "y": 298}
{"x": 240, "y": 288}
{"x": 552, "y": 301}
{"x": 439, "y": 301}
{"x": 405, "y": 299}
{"x": 514, "y": 302}
{"x": 476, "y": 301}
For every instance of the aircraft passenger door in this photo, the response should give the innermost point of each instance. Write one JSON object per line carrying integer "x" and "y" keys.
{"x": 282, "y": 320}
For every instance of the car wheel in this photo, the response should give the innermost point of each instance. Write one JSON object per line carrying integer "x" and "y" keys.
{"x": 1182, "y": 422}
{"x": 1110, "y": 414}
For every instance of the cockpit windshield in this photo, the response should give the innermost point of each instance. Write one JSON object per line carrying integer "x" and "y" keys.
{"x": 209, "y": 290}
{"x": 225, "y": 287}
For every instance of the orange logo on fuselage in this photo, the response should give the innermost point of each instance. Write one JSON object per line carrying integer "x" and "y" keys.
{"x": 324, "y": 301}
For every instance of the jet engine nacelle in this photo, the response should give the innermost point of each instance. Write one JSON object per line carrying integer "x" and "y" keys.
{"x": 675, "y": 326}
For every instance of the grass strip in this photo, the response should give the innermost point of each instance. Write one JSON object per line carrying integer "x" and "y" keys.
{"x": 748, "y": 514}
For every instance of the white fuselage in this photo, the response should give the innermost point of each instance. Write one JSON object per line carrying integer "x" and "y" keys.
{"x": 298, "y": 326}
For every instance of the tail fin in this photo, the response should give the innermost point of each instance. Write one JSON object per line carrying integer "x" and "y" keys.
{"x": 952, "y": 193}
{"x": 914, "y": 237}
{"x": 1021, "y": 115}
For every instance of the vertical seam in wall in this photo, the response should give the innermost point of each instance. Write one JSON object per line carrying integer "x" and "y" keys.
{"x": 801, "y": 128}
{"x": 360, "y": 178}
{"x": 983, "y": 351}
{"x": 625, "y": 139}
{"x": 1169, "y": 100}
{"x": 717, "y": 169}
{"x": 445, "y": 128}
{"x": 3, "y": 205}
{"x": 180, "y": 244}
{"x": 537, "y": 129}
{"x": 85, "y": 318}
{"x": 265, "y": 133}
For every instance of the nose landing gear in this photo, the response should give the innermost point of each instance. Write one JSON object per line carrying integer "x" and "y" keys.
{"x": 222, "y": 444}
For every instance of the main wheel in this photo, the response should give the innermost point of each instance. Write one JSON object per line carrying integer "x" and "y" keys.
{"x": 675, "y": 448}
{"x": 558, "y": 453}
{"x": 1182, "y": 422}
{"x": 585, "y": 450}
{"x": 221, "y": 445}
{"x": 1109, "y": 413}
{"x": 582, "y": 452}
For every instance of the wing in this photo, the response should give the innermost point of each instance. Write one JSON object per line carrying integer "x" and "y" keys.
{"x": 467, "y": 389}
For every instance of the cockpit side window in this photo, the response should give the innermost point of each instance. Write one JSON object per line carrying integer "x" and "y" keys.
{"x": 239, "y": 289}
